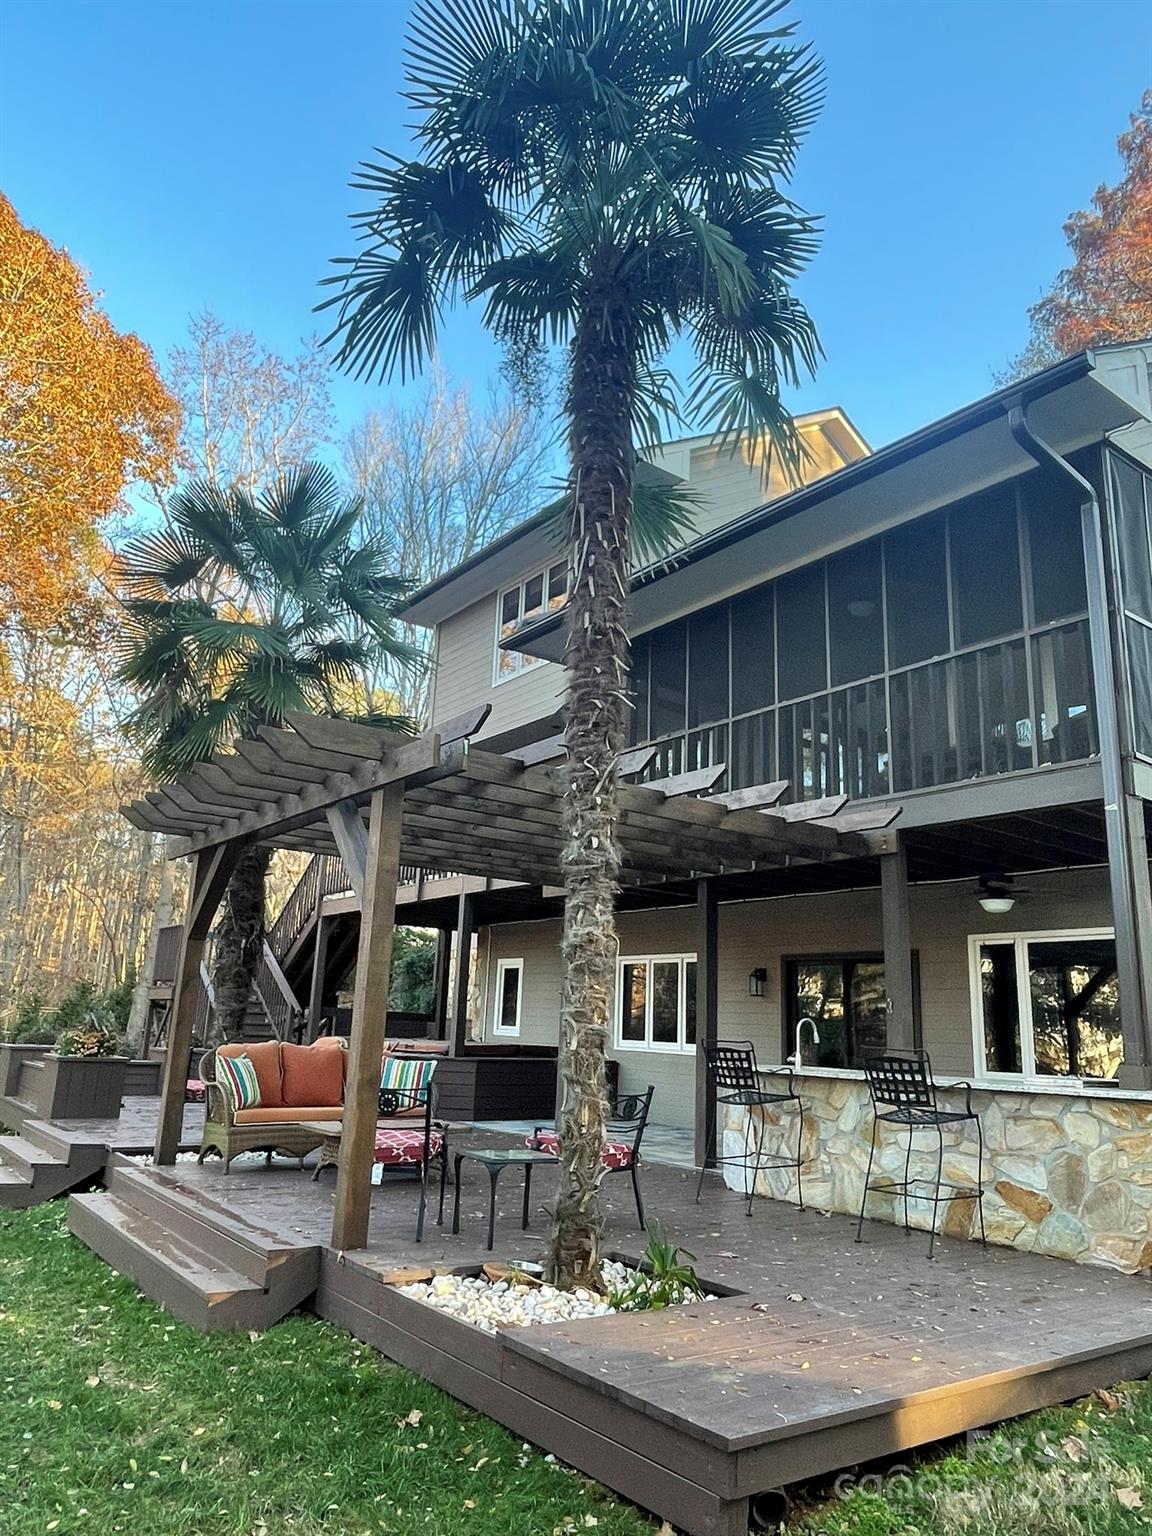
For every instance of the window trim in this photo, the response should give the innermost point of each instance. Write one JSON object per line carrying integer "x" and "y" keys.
{"x": 503, "y": 965}
{"x": 868, "y": 956}
{"x": 524, "y": 663}
{"x": 663, "y": 1047}
{"x": 1020, "y": 939}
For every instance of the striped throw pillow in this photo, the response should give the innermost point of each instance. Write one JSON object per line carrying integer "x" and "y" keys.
{"x": 237, "y": 1076}
{"x": 409, "y": 1075}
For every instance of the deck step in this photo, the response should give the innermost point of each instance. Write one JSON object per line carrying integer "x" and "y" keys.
{"x": 25, "y": 1156}
{"x": 199, "y": 1262}
{"x": 42, "y": 1162}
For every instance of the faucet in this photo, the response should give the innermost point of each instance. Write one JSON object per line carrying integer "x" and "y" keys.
{"x": 797, "y": 1056}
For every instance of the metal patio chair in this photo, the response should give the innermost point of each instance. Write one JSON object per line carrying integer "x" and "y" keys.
{"x": 903, "y": 1093}
{"x": 734, "y": 1078}
{"x": 623, "y": 1133}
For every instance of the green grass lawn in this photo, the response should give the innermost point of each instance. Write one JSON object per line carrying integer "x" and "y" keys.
{"x": 115, "y": 1418}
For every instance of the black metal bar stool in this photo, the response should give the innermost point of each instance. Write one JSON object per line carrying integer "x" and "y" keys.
{"x": 903, "y": 1092}
{"x": 734, "y": 1078}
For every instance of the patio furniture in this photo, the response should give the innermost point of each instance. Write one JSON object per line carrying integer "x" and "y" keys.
{"x": 734, "y": 1078}
{"x": 903, "y": 1092}
{"x": 406, "y": 1145}
{"x": 624, "y": 1131}
{"x": 298, "y": 1087}
{"x": 495, "y": 1160}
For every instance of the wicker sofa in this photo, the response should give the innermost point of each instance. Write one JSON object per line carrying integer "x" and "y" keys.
{"x": 299, "y": 1084}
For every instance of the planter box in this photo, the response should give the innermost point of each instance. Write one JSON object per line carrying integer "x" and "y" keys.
{"x": 80, "y": 1087}
{"x": 12, "y": 1059}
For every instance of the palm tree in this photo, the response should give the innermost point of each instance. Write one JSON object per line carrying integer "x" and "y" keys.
{"x": 238, "y": 609}
{"x": 603, "y": 175}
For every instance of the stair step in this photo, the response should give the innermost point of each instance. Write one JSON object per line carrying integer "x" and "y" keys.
{"x": 213, "y": 1230}
{"x": 25, "y": 1156}
{"x": 65, "y": 1145}
{"x": 169, "y": 1268}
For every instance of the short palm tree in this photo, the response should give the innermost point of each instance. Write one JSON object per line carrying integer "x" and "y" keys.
{"x": 239, "y": 609}
{"x": 605, "y": 175}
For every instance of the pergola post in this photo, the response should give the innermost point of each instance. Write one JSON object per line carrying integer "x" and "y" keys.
{"x": 458, "y": 1017}
{"x": 369, "y": 1018}
{"x": 898, "y": 981}
{"x": 440, "y": 981}
{"x": 707, "y": 1014}
{"x": 211, "y": 871}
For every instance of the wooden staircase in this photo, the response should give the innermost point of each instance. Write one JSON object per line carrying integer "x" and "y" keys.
{"x": 199, "y": 1261}
{"x": 44, "y": 1161}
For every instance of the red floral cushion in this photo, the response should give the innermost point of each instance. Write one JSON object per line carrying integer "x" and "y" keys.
{"x": 193, "y": 1091}
{"x": 616, "y": 1154}
{"x": 395, "y": 1147}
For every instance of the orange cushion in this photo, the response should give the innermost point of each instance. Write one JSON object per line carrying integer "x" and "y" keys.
{"x": 312, "y": 1076}
{"x": 333, "y": 1043}
{"x": 288, "y": 1117}
{"x": 265, "y": 1058}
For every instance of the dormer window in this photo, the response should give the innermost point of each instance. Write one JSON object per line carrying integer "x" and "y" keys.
{"x": 542, "y": 592}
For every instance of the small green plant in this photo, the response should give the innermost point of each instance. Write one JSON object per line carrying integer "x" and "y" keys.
{"x": 33, "y": 1023}
{"x": 664, "y": 1279}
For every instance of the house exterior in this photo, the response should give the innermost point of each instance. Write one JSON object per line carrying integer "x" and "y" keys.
{"x": 955, "y": 634}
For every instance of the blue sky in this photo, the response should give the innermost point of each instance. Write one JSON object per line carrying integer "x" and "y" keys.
{"x": 195, "y": 153}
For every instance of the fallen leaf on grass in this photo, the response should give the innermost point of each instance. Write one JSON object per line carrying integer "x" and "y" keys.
{"x": 1130, "y": 1498}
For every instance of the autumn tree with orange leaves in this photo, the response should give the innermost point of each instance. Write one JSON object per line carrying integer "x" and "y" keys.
{"x": 83, "y": 413}
{"x": 1106, "y": 294}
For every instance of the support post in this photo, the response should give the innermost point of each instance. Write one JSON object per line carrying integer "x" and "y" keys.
{"x": 443, "y": 963}
{"x": 897, "y": 947}
{"x": 211, "y": 871}
{"x": 369, "y": 1019}
{"x": 1132, "y": 922}
{"x": 707, "y": 1014}
{"x": 319, "y": 964}
{"x": 458, "y": 1017}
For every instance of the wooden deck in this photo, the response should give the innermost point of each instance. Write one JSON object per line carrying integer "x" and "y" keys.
{"x": 828, "y": 1354}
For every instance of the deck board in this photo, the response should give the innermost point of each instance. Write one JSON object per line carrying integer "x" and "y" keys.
{"x": 879, "y": 1349}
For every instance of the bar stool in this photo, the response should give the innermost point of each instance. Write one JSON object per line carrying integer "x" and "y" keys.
{"x": 903, "y": 1092}
{"x": 734, "y": 1078}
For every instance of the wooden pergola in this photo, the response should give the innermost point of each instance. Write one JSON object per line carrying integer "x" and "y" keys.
{"x": 381, "y": 801}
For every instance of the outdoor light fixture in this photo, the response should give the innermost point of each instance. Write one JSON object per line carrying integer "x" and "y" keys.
{"x": 757, "y": 981}
{"x": 995, "y": 894}
{"x": 862, "y": 608}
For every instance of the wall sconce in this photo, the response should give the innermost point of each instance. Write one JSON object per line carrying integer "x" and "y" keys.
{"x": 995, "y": 894}
{"x": 757, "y": 982}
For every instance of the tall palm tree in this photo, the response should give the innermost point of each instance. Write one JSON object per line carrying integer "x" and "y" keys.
{"x": 238, "y": 609}
{"x": 603, "y": 175}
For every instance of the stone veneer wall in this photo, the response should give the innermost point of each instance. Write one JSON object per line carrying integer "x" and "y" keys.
{"x": 1064, "y": 1175}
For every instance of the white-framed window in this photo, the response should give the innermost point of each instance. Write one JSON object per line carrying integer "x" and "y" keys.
{"x": 1046, "y": 1004}
{"x": 509, "y": 997}
{"x": 656, "y": 1003}
{"x": 542, "y": 592}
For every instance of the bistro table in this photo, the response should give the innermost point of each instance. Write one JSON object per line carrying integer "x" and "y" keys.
{"x": 495, "y": 1160}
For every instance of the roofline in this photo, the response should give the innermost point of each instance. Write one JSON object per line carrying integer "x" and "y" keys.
{"x": 976, "y": 414}
{"x": 539, "y": 519}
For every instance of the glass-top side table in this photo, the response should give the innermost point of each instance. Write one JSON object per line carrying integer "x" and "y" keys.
{"x": 495, "y": 1160}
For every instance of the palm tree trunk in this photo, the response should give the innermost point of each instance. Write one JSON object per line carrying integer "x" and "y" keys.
{"x": 239, "y": 944}
{"x": 600, "y": 400}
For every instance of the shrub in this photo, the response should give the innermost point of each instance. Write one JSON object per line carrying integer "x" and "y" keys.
{"x": 94, "y": 1037}
{"x": 663, "y": 1280}
{"x": 33, "y": 1024}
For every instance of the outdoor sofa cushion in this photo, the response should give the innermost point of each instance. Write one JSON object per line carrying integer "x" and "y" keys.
{"x": 288, "y": 1115}
{"x": 614, "y": 1154}
{"x": 396, "y": 1147}
{"x": 312, "y": 1075}
{"x": 239, "y": 1081}
{"x": 265, "y": 1057}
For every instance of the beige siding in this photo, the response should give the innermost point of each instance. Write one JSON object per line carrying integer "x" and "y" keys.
{"x": 728, "y": 484}
{"x": 465, "y": 652}
{"x": 763, "y": 933}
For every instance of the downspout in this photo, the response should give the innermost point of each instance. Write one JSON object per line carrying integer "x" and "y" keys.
{"x": 1133, "y": 983}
